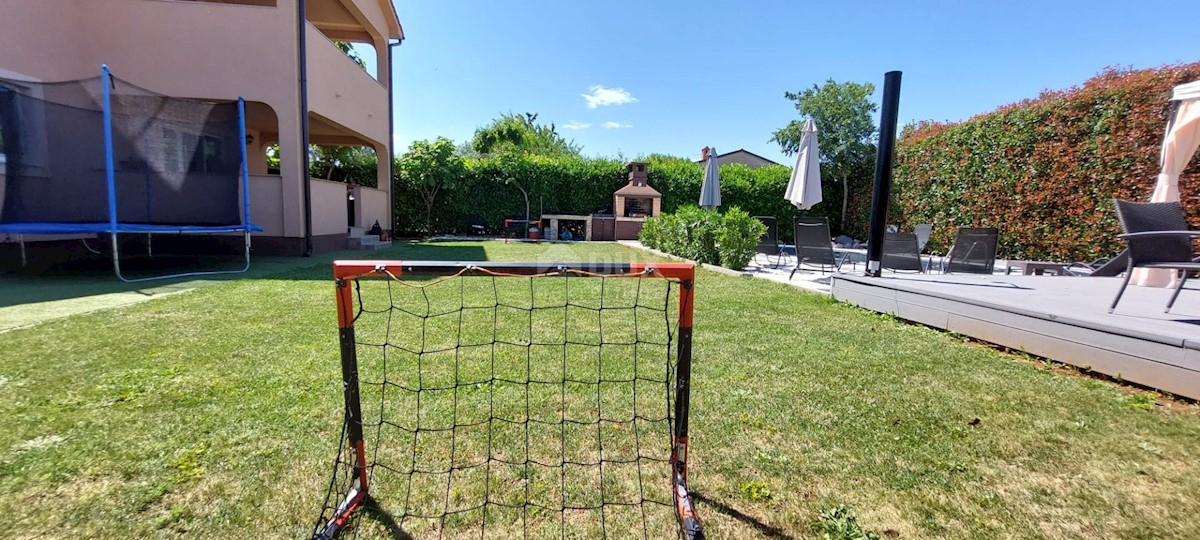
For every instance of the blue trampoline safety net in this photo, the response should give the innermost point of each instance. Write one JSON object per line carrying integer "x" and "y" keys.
{"x": 176, "y": 163}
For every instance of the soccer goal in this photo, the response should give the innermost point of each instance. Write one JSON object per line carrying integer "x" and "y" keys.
{"x": 512, "y": 400}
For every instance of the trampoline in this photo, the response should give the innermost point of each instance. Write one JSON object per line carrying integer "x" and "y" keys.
{"x": 104, "y": 156}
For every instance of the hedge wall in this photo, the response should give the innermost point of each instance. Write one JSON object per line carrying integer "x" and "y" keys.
{"x": 575, "y": 185}
{"x": 1045, "y": 170}
{"x": 562, "y": 185}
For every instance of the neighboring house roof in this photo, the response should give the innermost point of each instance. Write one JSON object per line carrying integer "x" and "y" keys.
{"x": 741, "y": 151}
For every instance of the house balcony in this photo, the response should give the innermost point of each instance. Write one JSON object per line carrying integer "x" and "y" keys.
{"x": 362, "y": 21}
{"x": 342, "y": 94}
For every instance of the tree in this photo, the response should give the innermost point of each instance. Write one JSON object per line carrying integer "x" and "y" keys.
{"x": 521, "y": 134}
{"x": 348, "y": 49}
{"x": 429, "y": 168}
{"x": 843, "y": 113}
{"x": 353, "y": 164}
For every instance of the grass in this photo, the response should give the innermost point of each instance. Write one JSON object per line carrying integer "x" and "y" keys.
{"x": 215, "y": 412}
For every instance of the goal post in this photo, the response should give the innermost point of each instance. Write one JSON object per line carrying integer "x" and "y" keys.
{"x": 541, "y": 400}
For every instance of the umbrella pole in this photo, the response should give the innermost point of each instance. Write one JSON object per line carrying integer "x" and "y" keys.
{"x": 883, "y": 171}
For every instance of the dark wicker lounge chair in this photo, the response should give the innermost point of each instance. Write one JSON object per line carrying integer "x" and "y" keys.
{"x": 1158, "y": 237}
{"x": 900, "y": 253}
{"x": 813, "y": 245}
{"x": 973, "y": 252}
{"x": 769, "y": 245}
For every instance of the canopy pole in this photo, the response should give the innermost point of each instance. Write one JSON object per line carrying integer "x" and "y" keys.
{"x": 883, "y": 171}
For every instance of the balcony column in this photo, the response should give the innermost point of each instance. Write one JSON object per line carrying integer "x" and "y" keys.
{"x": 256, "y": 153}
{"x": 384, "y": 180}
{"x": 290, "y": 165}
{"x": 383, "y": 71}
{"x": 386, "y": 153}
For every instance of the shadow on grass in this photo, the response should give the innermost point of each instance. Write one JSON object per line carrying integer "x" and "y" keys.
{"x": 372, "y": 511}
{"x": 766, "y": 530}
{"x": 93, "y": 276}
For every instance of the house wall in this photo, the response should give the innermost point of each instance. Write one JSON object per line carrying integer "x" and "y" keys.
{"x": 374, "y": 206}
{"x": 329, "y": 207}
{"x": 213, "y": 50}
{"x": 266, "y": 203}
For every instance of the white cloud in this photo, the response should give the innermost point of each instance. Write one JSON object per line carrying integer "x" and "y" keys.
{"x": 616, "y": 125}
{"x": 599, "y": 96}
{"x": 576, "y": 125}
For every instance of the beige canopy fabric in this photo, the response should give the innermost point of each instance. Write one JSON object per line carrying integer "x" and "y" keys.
{"x": 1180, "y": 143}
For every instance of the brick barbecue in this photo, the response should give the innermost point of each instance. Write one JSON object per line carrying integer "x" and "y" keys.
{"x": 634, "y": 202}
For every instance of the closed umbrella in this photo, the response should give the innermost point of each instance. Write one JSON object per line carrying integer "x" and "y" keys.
{"x": 710, "y": 190}
{"x": 804, "y": 188}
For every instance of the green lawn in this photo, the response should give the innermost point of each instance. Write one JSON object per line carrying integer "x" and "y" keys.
{"x": 215, "y": 413}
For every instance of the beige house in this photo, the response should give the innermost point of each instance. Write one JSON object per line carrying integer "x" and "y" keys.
{"x": 223, "y": 49}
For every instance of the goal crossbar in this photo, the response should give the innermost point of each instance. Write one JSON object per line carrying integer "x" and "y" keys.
{"x": 356, "y": 491}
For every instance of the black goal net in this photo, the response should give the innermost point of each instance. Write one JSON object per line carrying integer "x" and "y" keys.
{"x": 501, "y": 400}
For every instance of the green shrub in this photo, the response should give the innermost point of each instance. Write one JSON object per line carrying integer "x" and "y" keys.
{"x": 705, "y": 236}
{"x": 738, "y": 237}
{"x": 1045, "y": 170}
{"x": 693, "y": 235}
{"x": 652, "y": 230}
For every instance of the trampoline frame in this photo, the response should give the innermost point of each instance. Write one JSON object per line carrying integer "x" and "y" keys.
{"x": 115, "y": 229}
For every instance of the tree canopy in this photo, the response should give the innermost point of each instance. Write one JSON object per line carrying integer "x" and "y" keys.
{"x": 428, "y": 168}
{"x": 348, "y": 48}
{"x": 844, "y": 115}
{"x": 521, "y": 134}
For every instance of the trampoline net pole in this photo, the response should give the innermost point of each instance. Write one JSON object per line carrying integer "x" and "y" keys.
{"x": 245, "y": 169}
{"x": 109, "y": 167}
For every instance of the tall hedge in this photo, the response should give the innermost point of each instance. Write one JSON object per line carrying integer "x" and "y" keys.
{"x": 1045, "y": 170}
{"x": 576, "y": 185}
{"x": 489, "y": 190}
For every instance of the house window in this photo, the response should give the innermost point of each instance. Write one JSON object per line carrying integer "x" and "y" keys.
{"x": 191, "y": 152}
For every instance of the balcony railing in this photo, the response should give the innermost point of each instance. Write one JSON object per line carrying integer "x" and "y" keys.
{"x": 341, "y": 91}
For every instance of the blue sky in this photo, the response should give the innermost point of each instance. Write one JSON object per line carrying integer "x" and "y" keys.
{"x": 713, "y": 73}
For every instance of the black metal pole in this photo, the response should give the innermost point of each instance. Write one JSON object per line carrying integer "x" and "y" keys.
{"x": 883, "y": 171}
{"x": 391, "y": 142}
{"x": 305, "y": 183}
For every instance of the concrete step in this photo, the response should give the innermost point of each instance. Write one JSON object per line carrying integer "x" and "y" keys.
{"x": 358, "y": 232}
{"x": 368, "y": 242}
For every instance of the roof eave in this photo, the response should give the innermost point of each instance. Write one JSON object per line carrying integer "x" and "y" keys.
{"x": 395, "y": 29}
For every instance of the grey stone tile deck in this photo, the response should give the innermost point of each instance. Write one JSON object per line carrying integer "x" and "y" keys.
{"x": 1062, "y": 318}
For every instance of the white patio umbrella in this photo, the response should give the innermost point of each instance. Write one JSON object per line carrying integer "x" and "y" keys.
{"x": 710, "y": 189}
{"x": 804, "y": 188}
{"x": 1180, "y": 143}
